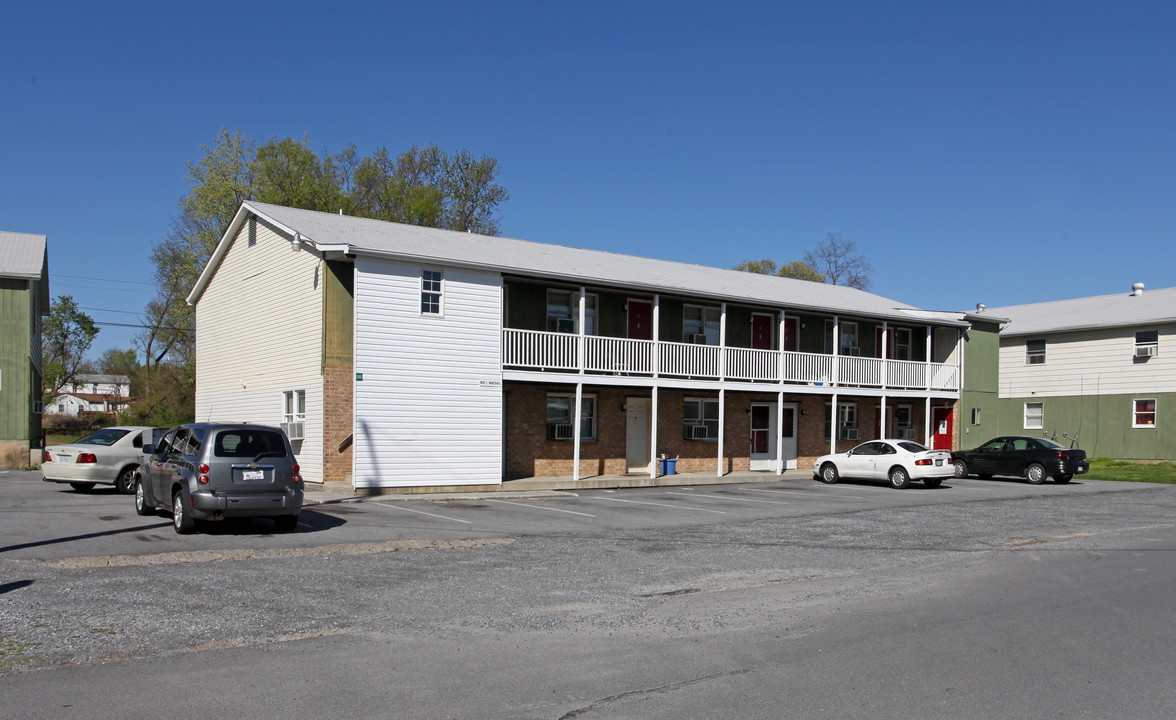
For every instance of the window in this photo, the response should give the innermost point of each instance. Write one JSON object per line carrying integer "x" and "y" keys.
{"x": 848, "y": 335}
{"x": 560, "y": 407}
{"x": 847, "y": 426}
{"x": 1147, "y": 343}
{"x": 294, "y": 413}
{"x": 700, "y": 419}
{"x": 563, "y": 312}
{"x": 1145, "y": 414}
{"x": 431, "y": 292}
{"x": 902, "y": 344}
{"x": 700, "y": 325}
{"x": 1034, "y": 352}
{"x": 1034, "y": 415}
{"x": 975, "y": 416}
{"x": 903, "y": 424}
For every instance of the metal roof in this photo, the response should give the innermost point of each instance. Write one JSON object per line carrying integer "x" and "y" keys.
{"x": 328, "y": 232}
{"x": 23, "y": 255}
{"x": 1152, "y": 307}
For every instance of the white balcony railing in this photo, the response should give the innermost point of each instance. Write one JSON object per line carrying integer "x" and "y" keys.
{"x": 536, "y": 350}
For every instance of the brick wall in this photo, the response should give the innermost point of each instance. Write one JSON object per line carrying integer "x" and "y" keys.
{"x": 337, "y": 422}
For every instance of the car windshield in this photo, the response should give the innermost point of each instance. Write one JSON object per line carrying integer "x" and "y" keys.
{"x": 912, "y": 446}
{"x": 249, "y": 443}
{"x": 106, "y": 437}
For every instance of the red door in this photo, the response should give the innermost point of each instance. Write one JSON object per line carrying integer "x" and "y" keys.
{"x": 942, "y": 428}
{"x": 640, "y": 320}
{"x": 761, "y": 331}
{"x": 889, "y": 342}
{"x": 791, "y": 328}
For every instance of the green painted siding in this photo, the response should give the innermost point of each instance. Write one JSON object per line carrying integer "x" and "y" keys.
{"x": 338, "y": 314}
{"x": 1103, "y": 424}
{"x": 738, "y": 327}
{"x": 16, "y": 389}
{"x": 612, "y": 317}
{"x": 526, "y": 306}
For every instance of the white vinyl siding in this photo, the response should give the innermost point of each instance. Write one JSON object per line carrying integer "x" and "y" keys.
{"x": 259, "y": 333}
{"x": 428, "y": 410}
{"x": 1094, "y": 362}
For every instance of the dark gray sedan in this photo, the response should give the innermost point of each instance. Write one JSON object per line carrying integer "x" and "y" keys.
{"x": 1032, "y": 458}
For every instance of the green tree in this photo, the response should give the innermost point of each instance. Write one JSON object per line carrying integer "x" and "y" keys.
{"x": 796, "y": 269}
{"x": 760, "y": 267}
{"x": 66, "y": 336}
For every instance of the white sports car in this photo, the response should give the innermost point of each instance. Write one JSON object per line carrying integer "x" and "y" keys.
{"x": 896, "y": 461}
{"x": 107, "y": 457}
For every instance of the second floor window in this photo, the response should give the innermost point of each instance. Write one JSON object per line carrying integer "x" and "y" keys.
{"x": 847, "y": 333}
{"x": 700, "y": 325}
{"x": 563, "y": 312}
{"x": 902, "y": 344}
{"x": 431, "y": 292}
{"x": 1147, "y": 343}
{"x": 1034, "y": 352}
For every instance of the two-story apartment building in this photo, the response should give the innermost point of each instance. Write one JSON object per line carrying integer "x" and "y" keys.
{"x": 404, "y": 356}
{"x": 24, "y": 301}
{"x": 1102, "y": 368}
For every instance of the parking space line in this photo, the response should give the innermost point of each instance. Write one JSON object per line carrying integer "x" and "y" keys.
{"x": 676, "y": 507}
{"x": 541, "y": 507}
{"x": 813, "y": 494}
{"x": 727, "y": 497}
{"x": 422, "y": 512}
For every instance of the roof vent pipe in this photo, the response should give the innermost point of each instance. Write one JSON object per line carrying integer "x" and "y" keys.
{"x": 980, "y": 307}
{"x": 1137, "y": 289}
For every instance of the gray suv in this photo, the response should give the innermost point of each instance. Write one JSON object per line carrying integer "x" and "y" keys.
{"x": 213, "y": 471}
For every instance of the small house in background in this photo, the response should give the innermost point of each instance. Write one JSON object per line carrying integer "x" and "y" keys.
{"x": 91, "y": 394}
{"x": 24, "y": 302}
{"x": 1102, "y": 369}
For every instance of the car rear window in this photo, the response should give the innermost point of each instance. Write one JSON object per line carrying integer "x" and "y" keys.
{"x": 249, "y": 443}
{"x": 106, "y": 437}
{"x": 912, "y": 446}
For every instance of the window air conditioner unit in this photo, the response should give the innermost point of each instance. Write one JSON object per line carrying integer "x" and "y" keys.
{"x": 848, "y": 433}
{"x": 559, "y": 431}
{"x": 698, "y": 339}
{"x": 565, "y": 325}
{"x": 907, "y": 433}
{"x": 696, "y": 432}
{"x": 1145, "y": 350}
{"x": 853, "y": 351}
{"x": 294, "y": 430}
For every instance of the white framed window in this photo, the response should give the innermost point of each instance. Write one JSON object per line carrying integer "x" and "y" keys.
{"x": 701, "y": 325}
{"x": 1034, "y": 415}
{"x": 847, "y": 335}
{"x": 847, "y": 421}
{"x": 1147, "y": 343}
{"x": 563, "y": 311}
{"x": 902, "y": 344}
{"x": 432, "y": 292}
{"x": 294, "y": 414}
{"x": 700, "y": 419}
{"x": 1144, "y": 413}
{"x": 1035, "y": 352}
{"x": 975, "y": 416}
{"x": 904, "y": 426}
{"x": 560, "y": 411}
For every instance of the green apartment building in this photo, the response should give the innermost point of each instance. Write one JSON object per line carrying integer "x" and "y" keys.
{"x": 24, "y": 301}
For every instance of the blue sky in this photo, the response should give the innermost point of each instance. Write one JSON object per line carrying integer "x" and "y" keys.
{"x": 996, "y": 152}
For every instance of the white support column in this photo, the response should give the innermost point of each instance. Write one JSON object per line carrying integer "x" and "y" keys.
{"x": 881, "y": 418}
{"x": 722, "y": 427}
{"x": 780, "y": 432}
{"x": 722, "y": 344}
{"x": 580, "y": 349}
{"x": 927, "y": 362}
{"x": 653, "y": 433}
{"x": 576, "y": 433}
{"x": 927, "y": 432}
{"x": 885, "y": 355}
{"x": 833, "y": 426}
{"x": 836, "y": 353}
{"x": 780, "y": 349}
{"x": 656, "y": 334}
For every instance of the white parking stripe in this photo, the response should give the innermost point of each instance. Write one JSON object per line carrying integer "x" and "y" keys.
{"x": 541, "y": 507}
{"x": 814, "y": 494}
{"x": 676, "y": 507}
{"x": 421, "y": 512}
{"x": 727, "y": 497}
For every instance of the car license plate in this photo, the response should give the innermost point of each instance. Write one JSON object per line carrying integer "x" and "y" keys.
{"x": 252, "y": 475}
{"x": 939, "y": 462}
{"x": 63, "y": 458}
{"x": 1080, "y": 470}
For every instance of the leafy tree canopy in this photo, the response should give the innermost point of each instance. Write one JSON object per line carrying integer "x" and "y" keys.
{"x": 66, "y": 336}
{"x": 834, "y": 260}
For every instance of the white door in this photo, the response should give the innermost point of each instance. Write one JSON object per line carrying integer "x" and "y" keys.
{"x": 637, "y": 412}
{"x": 763, "y": 436}
{"x": 788, "y": 436}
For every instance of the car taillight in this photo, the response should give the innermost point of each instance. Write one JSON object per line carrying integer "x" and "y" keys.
{"x": 47, "y": 457}
{"x": 924, "y": 461}
{"x": 297, "y": 470}
{"x": 1061, "y": 455}
{"x": 202, "y": 468}
{"x": 87, "y": 458}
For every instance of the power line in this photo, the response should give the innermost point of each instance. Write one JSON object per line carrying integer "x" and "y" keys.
{"x": 120, "y": 281}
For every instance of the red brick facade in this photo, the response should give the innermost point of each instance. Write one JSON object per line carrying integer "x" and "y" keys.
{"x": 337, "y": 413}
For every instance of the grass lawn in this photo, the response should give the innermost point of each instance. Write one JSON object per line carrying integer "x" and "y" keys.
{"x": 1107, "y": 469}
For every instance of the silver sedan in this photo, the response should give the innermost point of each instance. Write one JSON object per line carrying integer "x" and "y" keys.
{"x": 108, "y": 457}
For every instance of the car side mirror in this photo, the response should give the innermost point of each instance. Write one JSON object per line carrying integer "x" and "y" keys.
{"x": 148, "y": 448}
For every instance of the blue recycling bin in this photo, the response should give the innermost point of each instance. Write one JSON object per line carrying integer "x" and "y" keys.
{"x": 668, "y": 466}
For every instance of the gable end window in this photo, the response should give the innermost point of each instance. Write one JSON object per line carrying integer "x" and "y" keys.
{"x": 1034, "y": 416}
{"x": 1034, "y": 352}
{"x": 1144, "y": 415}
{"x": 431, "y": 292}
{"x": 1147, "y": 343}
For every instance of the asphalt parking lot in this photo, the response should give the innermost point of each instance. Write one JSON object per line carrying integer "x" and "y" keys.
{"x": 50, "y": 521}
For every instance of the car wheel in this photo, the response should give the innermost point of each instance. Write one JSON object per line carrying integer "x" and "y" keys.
{"x": 286, "y": 523}
{"x": 1063, "y": 479}
{"x": 933, "y": 482}
{"x": 82, "y": 487}
{"x": 141, "y": 506}
{"x": 181, "y": 520}
{"x": 961, "y": 468}
{"x": 126, "y": 481}
{"x": 899, "y": 478}
{"x": 829, "y": 473}
{"x": 1035, "y": 473}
